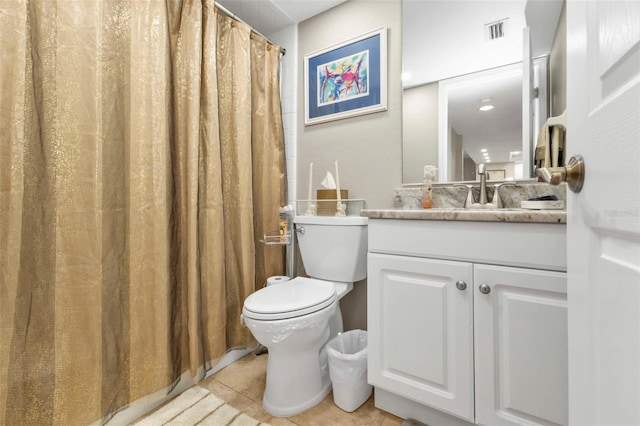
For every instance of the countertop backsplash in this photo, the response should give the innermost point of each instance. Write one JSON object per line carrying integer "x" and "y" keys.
{"x": 448, "y": 196}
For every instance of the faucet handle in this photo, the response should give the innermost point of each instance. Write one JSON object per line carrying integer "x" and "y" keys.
{"x": 469, "y": 200}
{"x": 496, "y": 194}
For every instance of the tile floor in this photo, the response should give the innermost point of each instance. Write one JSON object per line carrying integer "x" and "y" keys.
{"x": 241, "y": 385}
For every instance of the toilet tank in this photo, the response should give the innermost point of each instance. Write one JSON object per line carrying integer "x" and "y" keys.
{"x": 333, "y": 248}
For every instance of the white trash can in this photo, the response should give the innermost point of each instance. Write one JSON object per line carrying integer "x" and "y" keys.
{"x": 348, "y": 369}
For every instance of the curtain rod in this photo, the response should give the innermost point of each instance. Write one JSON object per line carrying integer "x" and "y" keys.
{"x": 226, "y": 11}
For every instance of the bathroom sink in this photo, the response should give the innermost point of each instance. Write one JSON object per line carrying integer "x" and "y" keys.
{"x": 498, "y": 209}
{"x": 488, "y": 206}
{"x": 477, "y": 209}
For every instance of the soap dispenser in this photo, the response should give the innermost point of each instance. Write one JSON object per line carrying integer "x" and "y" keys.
{"x": 429, "y": 176}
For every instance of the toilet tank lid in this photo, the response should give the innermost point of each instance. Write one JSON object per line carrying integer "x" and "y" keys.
{"x": 332, "y": 220}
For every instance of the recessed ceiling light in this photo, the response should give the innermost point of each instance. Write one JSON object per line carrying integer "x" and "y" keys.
{"x": 487, "y": 160}
{"x": 486, "y": 108}
{"x": 483, "y": 150}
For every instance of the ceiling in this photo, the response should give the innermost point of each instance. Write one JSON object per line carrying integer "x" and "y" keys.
{"x": 270, "y": 16}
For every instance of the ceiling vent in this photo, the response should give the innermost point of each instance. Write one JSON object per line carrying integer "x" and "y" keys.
{"x": 496, "y": 30}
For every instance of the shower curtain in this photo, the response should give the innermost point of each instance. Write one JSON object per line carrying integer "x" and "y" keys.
{"x": 141, "y": 160}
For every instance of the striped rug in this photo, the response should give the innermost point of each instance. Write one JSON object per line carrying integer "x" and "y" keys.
{"x": 198, "y": 406}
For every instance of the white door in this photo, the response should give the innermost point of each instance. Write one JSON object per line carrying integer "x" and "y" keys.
{"x": 603, "y": 223}
{"x": 420, "y": 330}
{"x": 520, "y": 332}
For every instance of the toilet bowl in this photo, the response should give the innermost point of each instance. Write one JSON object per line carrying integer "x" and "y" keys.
{"x": 295, "y": 319}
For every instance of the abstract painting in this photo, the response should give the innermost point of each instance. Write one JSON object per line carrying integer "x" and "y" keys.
{"x": 346, "y": 79}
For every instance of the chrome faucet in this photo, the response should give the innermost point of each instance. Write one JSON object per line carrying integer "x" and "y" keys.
{"x": 482, "y": 198}
{"x": 483, "y": 184}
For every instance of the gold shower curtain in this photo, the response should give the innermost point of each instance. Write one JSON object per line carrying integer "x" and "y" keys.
{"x": 141, "y": 159}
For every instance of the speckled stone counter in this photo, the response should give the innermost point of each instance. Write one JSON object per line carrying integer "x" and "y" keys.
{"x": 445, "y": 195}
{"x": 509, "y": 215}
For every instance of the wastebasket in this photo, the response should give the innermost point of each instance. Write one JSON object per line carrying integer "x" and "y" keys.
{"x": 348, "y": 369}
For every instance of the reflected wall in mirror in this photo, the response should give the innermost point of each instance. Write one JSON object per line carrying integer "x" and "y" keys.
{"x": 452, "y": 64}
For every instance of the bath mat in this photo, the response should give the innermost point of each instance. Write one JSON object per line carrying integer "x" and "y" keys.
{"x": 198, "y": 406}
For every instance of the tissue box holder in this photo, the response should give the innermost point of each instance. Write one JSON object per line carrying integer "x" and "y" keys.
{"x": 327, "y": 201}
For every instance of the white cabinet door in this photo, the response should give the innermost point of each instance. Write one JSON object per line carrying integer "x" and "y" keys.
{"x": 421, "y": 331}
{"x": 520, "y": 346}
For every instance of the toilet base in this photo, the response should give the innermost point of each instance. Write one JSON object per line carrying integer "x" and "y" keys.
{"x": 280, "y": 411}
{"x": 293, "y": 384}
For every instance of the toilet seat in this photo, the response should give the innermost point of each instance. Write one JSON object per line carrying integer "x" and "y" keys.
{"x": 297, "y": 297}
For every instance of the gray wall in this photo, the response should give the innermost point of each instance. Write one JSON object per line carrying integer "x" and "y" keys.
{"x": 456, "y": 155}
{"x": 368, "y": 147}
{"x": 470, "y": 169}
{"x": 419, "y": 130}
{"x": 558, "y": 67}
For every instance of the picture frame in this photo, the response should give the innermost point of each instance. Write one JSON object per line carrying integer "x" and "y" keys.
{"x": 346, "y": 79}
{"x": 496, "y": 174}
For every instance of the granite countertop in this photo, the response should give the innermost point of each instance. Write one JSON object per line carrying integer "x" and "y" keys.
{"x": 506, "y": 215}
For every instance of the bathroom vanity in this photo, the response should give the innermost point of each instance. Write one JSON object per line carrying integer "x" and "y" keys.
{"x": 467, "y": 315}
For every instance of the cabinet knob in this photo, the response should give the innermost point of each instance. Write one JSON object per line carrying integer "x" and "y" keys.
{"x": 461, "y": 285}
{"x": 485, "y": 289}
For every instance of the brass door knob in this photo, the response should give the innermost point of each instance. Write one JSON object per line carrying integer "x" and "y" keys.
{"x": 572, "y": 173}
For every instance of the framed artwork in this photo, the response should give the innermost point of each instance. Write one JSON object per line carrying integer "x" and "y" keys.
{"x": 346, "y": 79}
{"x": 495, "y": 174}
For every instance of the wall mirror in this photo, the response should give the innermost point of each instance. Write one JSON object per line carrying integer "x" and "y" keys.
{"x": 463, "y": 84}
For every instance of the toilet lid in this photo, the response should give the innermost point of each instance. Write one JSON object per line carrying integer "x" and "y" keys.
{"x": 297, "y": 297}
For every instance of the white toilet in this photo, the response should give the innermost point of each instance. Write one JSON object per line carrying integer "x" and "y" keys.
{"x": 296, "y": 318}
